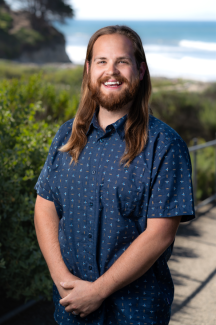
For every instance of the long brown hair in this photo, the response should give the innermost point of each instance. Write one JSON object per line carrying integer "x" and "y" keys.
{"x": 136, "y": 126}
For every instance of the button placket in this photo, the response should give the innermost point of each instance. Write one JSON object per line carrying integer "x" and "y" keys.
{"x": 92, "y": 201}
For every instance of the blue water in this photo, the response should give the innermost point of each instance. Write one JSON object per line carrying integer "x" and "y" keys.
{"x": 173, "y": 48}
{"x": 78, "y": 32}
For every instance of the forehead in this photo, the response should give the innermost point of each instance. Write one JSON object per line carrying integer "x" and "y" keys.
{"x": 114, "y": 45}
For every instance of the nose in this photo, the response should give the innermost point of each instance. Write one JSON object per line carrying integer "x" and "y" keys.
{"x": 112, "y": 69}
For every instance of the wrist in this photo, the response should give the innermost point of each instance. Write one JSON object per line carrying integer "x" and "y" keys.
{"x": 62, "y": 275}
{"x": 101, "y": 288}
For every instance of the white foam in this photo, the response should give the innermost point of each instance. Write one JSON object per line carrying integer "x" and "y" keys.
{"x": 162, "y": 62}
{"x": 76, "y": 53}
{"x": 198, "y": 45}
{"x": 185, "y": 67}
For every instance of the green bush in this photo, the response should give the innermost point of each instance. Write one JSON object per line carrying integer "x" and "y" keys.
{"x": 10, "y": 70}
{"x": 57, "y": 88}
{"x": 5, "y": 20}
{"x": 205, "y": 171}
{"x": 28, "y": 36}
{"x": 192, "y": 115}
{"x": 28, "y": 108}
{"x": 57, "y": 102}
{"x": 24, "y": 144}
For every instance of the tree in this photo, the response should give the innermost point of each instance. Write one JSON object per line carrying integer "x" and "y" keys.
{"x": 48, "y": 9}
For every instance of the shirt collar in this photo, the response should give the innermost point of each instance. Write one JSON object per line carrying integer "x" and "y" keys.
{"x": 118, "y": 125}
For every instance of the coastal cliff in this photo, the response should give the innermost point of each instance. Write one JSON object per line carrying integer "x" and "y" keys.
{"x": 28, "y": 40}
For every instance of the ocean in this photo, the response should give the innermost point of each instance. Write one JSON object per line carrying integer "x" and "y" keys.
{"x": 174, "y": 49}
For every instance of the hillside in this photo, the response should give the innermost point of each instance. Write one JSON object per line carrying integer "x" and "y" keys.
{"x": 25, "y": 39}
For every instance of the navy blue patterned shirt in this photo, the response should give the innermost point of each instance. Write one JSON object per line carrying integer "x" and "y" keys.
{"x": 103, "y": 206}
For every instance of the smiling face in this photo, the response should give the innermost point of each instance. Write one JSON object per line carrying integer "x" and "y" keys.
{"x": 113, "y": 75}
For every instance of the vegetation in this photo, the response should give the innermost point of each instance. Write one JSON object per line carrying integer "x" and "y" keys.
{"x": 31, "y": 29}
{"x": 5, "y": 21}
{"x": 24, "y": 145}
{"x": 33, "y": 103}
{"x": 47, "y": 9}
{"x": 190, "y": 114}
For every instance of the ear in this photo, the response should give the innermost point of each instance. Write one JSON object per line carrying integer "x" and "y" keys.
{"x": 142, "y": 70}
{"x": 87, "y": 66}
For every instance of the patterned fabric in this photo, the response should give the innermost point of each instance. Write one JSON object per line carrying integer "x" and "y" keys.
{"x": 104, "y": 206}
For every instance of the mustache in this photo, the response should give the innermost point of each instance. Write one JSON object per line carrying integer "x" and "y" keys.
{"x": 104, "y": 79}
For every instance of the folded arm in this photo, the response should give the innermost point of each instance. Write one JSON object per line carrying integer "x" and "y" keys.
{"x": 46, "y": 226}
{"x": 139, "y": 256}
{"x": 132, "y": 264}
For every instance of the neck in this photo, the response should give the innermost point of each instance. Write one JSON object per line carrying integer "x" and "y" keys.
{"x": 106, "y": 117}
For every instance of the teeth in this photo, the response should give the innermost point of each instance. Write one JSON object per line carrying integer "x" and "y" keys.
{"x": 112, "y": 83}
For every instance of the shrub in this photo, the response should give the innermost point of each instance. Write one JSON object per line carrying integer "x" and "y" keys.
{"x": 28, "y": 36}
{"x": 24, "y": 144}
{"x": 205, "y": 171}
{"x": 192, "y": 115}
{"x": 181, "y": 111}
{"x": 58, "y": 89}
{"x": 5, "y": 20}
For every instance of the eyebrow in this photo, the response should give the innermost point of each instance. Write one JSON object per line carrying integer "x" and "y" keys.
{"x": 119, "y": 58}
{"x": 100, "y": 58}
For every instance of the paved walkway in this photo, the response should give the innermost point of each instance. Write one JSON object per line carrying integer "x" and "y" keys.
{"x": 193, "y": 268}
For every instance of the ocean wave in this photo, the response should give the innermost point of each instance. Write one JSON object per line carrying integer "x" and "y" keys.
{"x": 76, "y": 53}
{"x": 162, "y": 64}
{"x": 185, "y": 67}
{"x": 198, "y": 45}
{"x": 162, "y": 48}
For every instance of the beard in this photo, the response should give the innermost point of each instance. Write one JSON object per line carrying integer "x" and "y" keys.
{"x": 113, "y": 101}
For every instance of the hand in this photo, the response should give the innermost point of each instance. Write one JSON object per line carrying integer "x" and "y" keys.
{"x": 63, "y": 292}
{"x": 83, "y": 299}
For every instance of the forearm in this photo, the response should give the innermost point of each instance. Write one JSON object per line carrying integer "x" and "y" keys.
{"x": 135, "y": 261}
{"x": 46, "y": 226}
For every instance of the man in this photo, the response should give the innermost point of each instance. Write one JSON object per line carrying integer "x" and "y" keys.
{"x": 112, "y": 193}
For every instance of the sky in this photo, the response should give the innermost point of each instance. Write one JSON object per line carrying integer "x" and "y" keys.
{"x": 141, "y": 9}
{"x": 145, "y": 10}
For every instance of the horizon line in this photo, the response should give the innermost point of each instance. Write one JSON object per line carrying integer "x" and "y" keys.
{"x": 146, "y": 19}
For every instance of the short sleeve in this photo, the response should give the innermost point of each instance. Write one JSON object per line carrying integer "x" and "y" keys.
{"x": 42, "y": 186}
{"x": 171, "y": 192}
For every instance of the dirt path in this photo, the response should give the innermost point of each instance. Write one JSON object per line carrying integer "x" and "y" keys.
{"x": 193, "y": 267}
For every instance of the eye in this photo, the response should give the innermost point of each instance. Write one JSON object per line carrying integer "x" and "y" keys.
{"x": 123, "y": 61}
{"x": 101, "y": 62}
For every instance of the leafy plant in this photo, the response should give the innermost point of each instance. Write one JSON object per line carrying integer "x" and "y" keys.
{"x": 28, "y": 36}
{"x": 205, "y": 171}
{"x": 5, "y": 20}
{"x": 24, "y": 144}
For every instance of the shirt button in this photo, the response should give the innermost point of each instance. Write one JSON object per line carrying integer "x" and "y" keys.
{"x": 93, "y": 172}
{"x": 90, "y": 235}
{"x": 90, "y": 203}
{"x": 90, "y": 267}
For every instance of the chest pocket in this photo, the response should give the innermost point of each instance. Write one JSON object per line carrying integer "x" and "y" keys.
{"x": 124, "y": 191}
